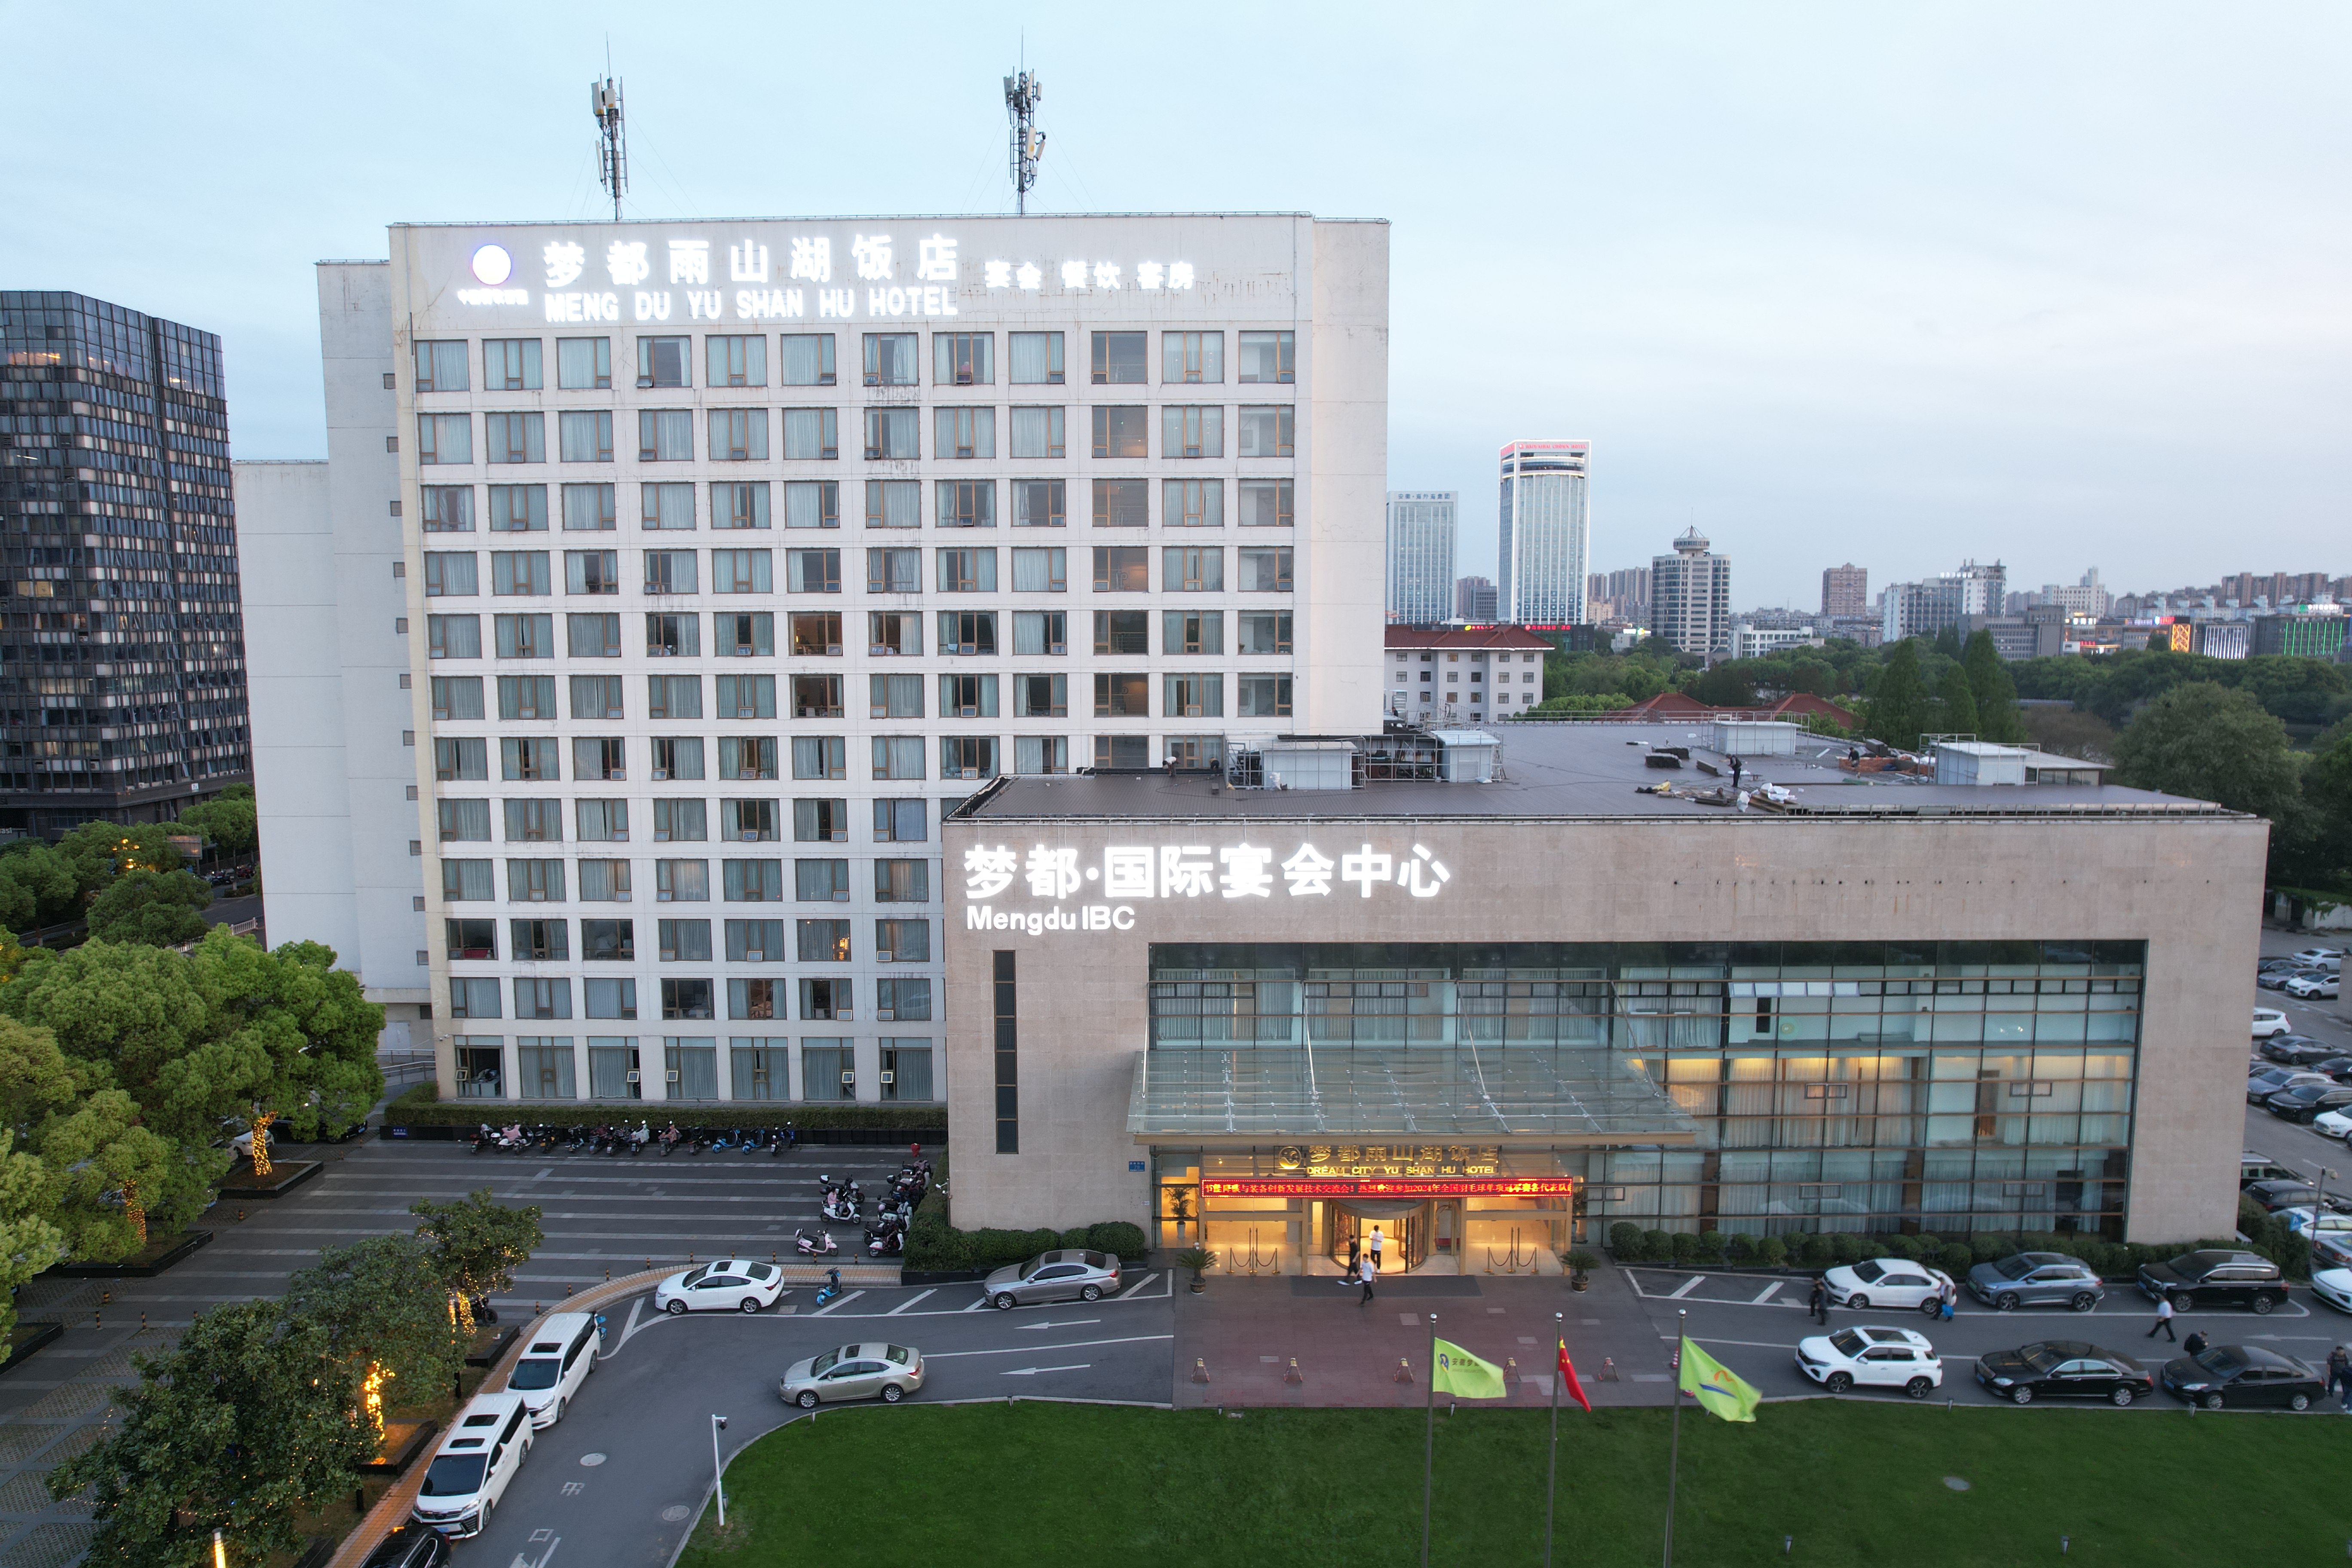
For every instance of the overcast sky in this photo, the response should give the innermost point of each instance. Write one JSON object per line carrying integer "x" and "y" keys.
{"x": 2060, "y": 285}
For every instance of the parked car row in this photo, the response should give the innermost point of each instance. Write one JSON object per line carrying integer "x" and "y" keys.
{"x": 2216, "y": 1377}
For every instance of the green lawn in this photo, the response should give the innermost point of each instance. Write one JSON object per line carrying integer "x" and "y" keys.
{"x": 1854, "y": 1481}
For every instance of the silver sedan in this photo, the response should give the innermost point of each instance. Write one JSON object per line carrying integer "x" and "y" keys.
{"x": 1070, "y": 1274}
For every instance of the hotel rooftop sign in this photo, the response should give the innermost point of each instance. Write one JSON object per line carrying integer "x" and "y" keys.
{"x": 1055, "y": 875}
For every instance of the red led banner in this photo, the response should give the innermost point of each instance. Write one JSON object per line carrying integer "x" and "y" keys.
{"x": 1392, "y": 1187}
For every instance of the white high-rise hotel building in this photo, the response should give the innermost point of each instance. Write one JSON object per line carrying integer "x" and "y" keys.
{"x": 1546, "y": 540}
{"x": 665, "y": 583}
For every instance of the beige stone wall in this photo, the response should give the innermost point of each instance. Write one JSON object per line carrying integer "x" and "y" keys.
{"x": 2190, "y": 887}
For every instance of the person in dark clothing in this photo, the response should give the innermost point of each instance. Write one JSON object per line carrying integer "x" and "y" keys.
{"x": 1818, "y": 1303}
{"x": 1737, "y": 767}
{"x": 2194, "y": 1344}
{"x": 1355, "y": 1252}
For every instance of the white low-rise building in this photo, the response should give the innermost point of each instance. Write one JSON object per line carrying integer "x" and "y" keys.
{"x": 1462, "y": 675}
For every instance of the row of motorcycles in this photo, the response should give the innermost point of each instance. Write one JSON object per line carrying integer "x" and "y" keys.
{"x": 894, "y": 1209}
{"x": 517, "y": 1139}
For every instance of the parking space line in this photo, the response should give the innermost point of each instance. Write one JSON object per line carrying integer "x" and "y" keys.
{"x": 829, "y": 1306}
{"x": 903, "y": 1305}
{"x": 1138, "y": 1285}
{"x": 1684, "y": 1288}
{"x": 1768, "y": 1294}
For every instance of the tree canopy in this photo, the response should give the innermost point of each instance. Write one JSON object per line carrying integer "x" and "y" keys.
{"x": 1956, "y": 704}
{"x": 383, "y": 1304}
{"x": 477, "y": 1241}
{"x": 228, "y": 820}
{"x": 29, "y": 1242}
{"x": 2208, "y": 742}
{"x": 1994, "y": 692}
{"x": 1898, "y": 699}
{"x": 161, "y": 908}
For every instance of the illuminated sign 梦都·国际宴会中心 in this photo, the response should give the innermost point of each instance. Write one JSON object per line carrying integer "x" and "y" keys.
{"x": 1196, "y": 871}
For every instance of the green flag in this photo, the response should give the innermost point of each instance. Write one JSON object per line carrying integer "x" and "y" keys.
{"x": 1715, "y": 1386}
{"x": 1465, "y": 1376}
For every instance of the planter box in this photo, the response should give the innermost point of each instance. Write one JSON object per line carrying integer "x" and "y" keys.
{"x": 159, "y": 1254}
{"x": 488, "y": 1354}
{"x": 26, "y": 1338}
{"x": 942, "y": 1275}
{"x": 285, "y": 1175}
{"x": 402, "y": 1441}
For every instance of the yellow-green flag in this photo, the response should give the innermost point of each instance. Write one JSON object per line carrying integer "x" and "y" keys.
{"x": 1715, "y": 1386}
{"x": 1465, "y": 1376}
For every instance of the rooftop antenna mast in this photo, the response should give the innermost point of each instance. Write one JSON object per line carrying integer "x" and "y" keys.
{"x": 612, "y": 151}
{"x": 1021, "y": 96}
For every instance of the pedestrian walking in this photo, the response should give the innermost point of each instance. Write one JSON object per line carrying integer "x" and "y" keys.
{"x": 1737, "y": 767}
{"x": 1818, "y": 1303}
{"x": 1355, "y": 1253}
{"x": 2164, "y": 1315}
{"x": 1376, "y": 1247}
{"x": 2340, "y": 1375}
{"x": 1372, "y": 1272}
{"x": 2194, "y": 1345}
{"x": 791, "y": 1136}
{"x": 1951, "y": 1297}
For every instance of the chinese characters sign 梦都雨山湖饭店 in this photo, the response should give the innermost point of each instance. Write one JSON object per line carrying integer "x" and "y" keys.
{"x": 1194, "y": 870}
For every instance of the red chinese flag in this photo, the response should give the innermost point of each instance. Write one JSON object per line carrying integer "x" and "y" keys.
{"x": 1568, "y": 1376}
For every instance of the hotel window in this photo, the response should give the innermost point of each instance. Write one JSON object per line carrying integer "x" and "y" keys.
{"x": 665, "y": 509}
{"x": 540, "y": 942}
{"x": 808, "y": 503}
{"x": 1192, "y": 503}
{"x": 1122, "y": 569}
{"x": 1267, "y": 430}
{"x": 811, "y": 434}
{"x": 1192, "y": 631}
{"x": 967, "y": 632}
{"x": 609, "y": 942}
{"x": 816, "y": 634}
{"x": 967, "y": 503}
{"x": 465, "y": 821}
{"x": 747, "y": 757}
{"x": 1269, "y": 357}
{"x": 1264, "y": 696}
{"x": 902, "y": 881}
{"x": 1193, "y": 696}
{"x": 1191, "y": 430}
{"x": 891, "y": 359}
{"x": 902, "y": 941}
{"x": 735, "y": 361}
{"x": 1194, "y": 753}
{"x": 471, "y": 937}
{"x": 895, "y": 696}
{"x": 1191, "y": 358}
{"x": 683, "y": 941}
{"x": 963, "y": 431}
{"x": 894, "y": 503}
{"x": 1265, "y": 504}
{"x": 820, "y": 821}
{"x": 456, "y": 697}
{"x": 821, "y": 881}
{"x": 584, "y": 436}
{"x": 518, "y": 509}
{"x": 739, "y": 435}
{"x": 465, "y": 759}
{"x": 1120, "y": 431}
{"x": 591, "y": 572}
{"x": 804, "y": 359}
{"x": 536, "y": 998}
{"x": 964, "y": 359}
{"x": 966, "y": 757}
{"x": 742, "y": 571}
{"x": 681, "y": 821}
{"x": 817, "y": 697}
{"x": 750, "y": 635}
{"x": 602, "y": 757}
{"x": 676, "y": 757}
{"x": 525, "y": 636}
{"x": 1041, "y": 631}
{"x": 682, "y": 882}
{"x": 589, "y": 509}
{"x": 1041, "y": 754}
{"x": 510, "y": 364}
{"x": 663, "y": 362}
{"x": 762, "y": 1068}
{"x": 515, "y": 437}
{"x": 891, "y": 433}
{"x": 1127, "y": 752}
{"x": 584, "y": 364}
{"x": 1039, "y": 433}
{"x": 967, "y": 571}
{"x": 1121, "y": 503}
{"x": 448, "y": 509}
{"x": 908, "y": 999}
{"x": 1041, "y": 697}
{"x": 685, "y": 999}
{"x": 600, "y": 821}
{"x": 1266, "y": 631}
{"x": 1266, "y": 571}
{"x": 752, "y": 998}
{"x": 1119, "y": 359}
{"x": 745, "y": 697}
{"x": 444, "y": 439}
{"x": 529, "y": 697}
{"x": 748, "y": 821}
{"x": 893, "y": 571}
{"x": 819, "y": 757}
{"x": 465, "y": 881}
{"x": 897, "y": 756}
{"x": 1041, "y": 571}
{"x": 1036, "y": 358}
{"x": 822, "y": 941}
{"x": 1193, "y": 569}
{"x": 668, "y": 571}
{"x": 901, "y": 821}
{"x": 665, "y": 436}
{"x": 450, "y": 576}
{"x": 596, "y": 697}
{"x": 673, "y": 637}
{"x": 453, "y": 637}
{"x": 610, "y": 998}
{"x": 593, "y": 636}
{"x": 894, "y": 632}
{"x": 1122, "y": 631}
{"x": 967, "y": 696}
{"x": 907, "y": 1070}
{"x": 811, "y": 570}
{"x": 534, "y": 881}
{"x": 827, "y": 1070}
{"x": 1038, "y": 503}
{"x": 752, "y": 881}
{"x": 441, "y": 366}
{"x": 741, "y": 503}
{"x": 755, "y": 941}
{"x": 1121, "y": 696}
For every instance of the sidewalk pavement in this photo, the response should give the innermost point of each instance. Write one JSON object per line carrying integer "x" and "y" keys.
{"x": 1246, "y": 1333}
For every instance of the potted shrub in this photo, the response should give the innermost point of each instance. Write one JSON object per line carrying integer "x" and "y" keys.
{"x": 1197, "y": 1259}
{"x": 1581, "y": 1264}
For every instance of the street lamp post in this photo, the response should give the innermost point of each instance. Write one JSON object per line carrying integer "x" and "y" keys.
{"x": 717, "y": 1474}
{"x": 2318, "y": 1208}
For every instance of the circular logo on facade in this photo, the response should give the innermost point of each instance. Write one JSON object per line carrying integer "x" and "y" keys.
{"x": 1290, "y": 1157}
{"x": 492, "y": 265}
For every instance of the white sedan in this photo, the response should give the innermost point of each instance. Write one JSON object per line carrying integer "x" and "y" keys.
{"x": 2332, "y": 1124}
{"x": 1872, "y": 1357}
{"x": 2269, "y": 1021}
{"x": 2314, "y": 984}
{"x": 730, "y": 1285}
{"x": 1887, "y": 1282}
{"x": 2334, "y": 1286}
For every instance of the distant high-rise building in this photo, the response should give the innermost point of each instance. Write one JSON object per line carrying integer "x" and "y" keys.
{"x": 122, "y": 678}
{"x": 1845, "y": 590}
{"x": 1420, "y": 555}
{"x": 1984, "y": 588}
{"x": 1546, "y": 535}
{"x": 1924, "y": 609}
{"x": 1619, "y": 595}
{"x": 1690, "y": 597}
{"x": 1474, "y": 599}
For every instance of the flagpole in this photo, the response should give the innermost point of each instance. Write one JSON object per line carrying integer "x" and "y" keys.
{"x": 1675, "y": 1462}
{"x": 1429, "y": 1443}
{"x": 1552, "y": 1471}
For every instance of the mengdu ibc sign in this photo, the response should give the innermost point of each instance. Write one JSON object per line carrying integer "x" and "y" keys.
{"x": 1167, "y": 871}
{"x": 1388, "y": 1187}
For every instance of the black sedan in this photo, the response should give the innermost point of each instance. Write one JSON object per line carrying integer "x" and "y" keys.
{"x": 2064, "y": 1369}
{"x": 2275, "y": 1196}
{"x": 2242, "y": 1375}
{"x": 2304, "y": 1101}
{"x": 2297, "y": 1050}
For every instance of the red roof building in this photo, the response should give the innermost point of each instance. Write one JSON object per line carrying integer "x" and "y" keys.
{"x": 1451, "y": 674}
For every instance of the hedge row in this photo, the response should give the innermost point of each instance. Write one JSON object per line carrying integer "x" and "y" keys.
{"x": 2275, "y": 1240}
{"x": 933, "y": 1245}
{"x": 420, "y": 1107}
{"x": 1955, "y": 1254}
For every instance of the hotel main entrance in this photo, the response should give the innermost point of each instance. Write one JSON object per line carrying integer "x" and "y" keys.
{"x": 1514, "y": 1224}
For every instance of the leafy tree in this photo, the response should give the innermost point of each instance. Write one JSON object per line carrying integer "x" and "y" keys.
{"x": 385, "y": 1310}
{"x": 1725, "y": 686}
{"x": 161, "y": 909}
{"x": 97, "y": 1166}
{"x": 477, "y": 1243}
{"x": 99, "y": 851}
{"x": 2070, "y": 732}
{"x": 228, "y": 820}
{"x": 245, "y": 1425}
{"x": 2207, "y": 743}
{"x": 1994, "y": 692}
{"x": 1947, "y": 642}
{"x": 1898, "y": 697}
{"x": 1955, "y": 704}
{"x": 1579, "y": 703}
{"x": 38, "y": 886}
{"x": 29, "y": 1241}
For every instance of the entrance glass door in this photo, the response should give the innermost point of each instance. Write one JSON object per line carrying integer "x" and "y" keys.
{"x": 1404, "y": 1238}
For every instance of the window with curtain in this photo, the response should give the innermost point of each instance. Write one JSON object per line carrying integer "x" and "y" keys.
{"x": 897, "y": 756}
{"x": 451, "y": 574}
{"x": 680, "y": 821}
{"x": 1041, "y": 754}
{"x": 1040, "y": 433}
{"x": 820, "y": 821}
{"x": 1044, "y": 632}
{"x": 907, "y": 1070}
{"x": 811, "y": 570}
{"x": 584, "y": 364}
{"x": 747, "y": 756}
{"x": 821, "y": 881}
{"x": 515, "y": 437}
{"x": 822, "y": 941}
{"x": 604, "y": 881}
{"x": 609, "y": 997}
{"x": 600, "y": 821}
{"x": 684, "y": 942}
{"x": 453, "y": 637}
{"x": 892, "y": 434}
{"x": 441, "y": 366}
{"x": 827, "y": 1070}
{"x": 746, "y": 696}
{"x": 462, "y": 757}
{"x": 1192, "y": 503}
{"x": 739, "y": 435}
{"x": 811, "y": 434}
{"x": 1043, "y": 569}
{"x": 673, "y": 697}
{"x": 902, "y": 881}
{"x": 819, "y": 757}
{"x": 475, "y": 997}
{"x": 755, "y": 941}
{"x": 591, "y": 636}
{"x": 677, "y": 757}
{"x": 682, "y": 882}
{"x": 804, "y": 359}
{"x": 518, "y": 509}
{"x": 1193, "y": 430}
{"x": 584, "y": 436}
{"x": 665, "y": 436}
{"x": 543, "y": 1067}
{"x": 755, "y": 881}
{"x": 761, "y": 1067}
{"x": 456, "y": 697}
{"x": 895, "y": 696}
{"x": 901, "y": 821}
{"x": 589, "y": 572}
{"x": 894, "y": 503}
{"x": 735, "y": 359}
{"x": 692, "y": 1062}
{"x": 812, "y": 503}
{"x": 902, "y": 1000}
{"x": 1036, "y": 358}
{"x": 463, "y": 821}
{"x": 742, "y": 571}
{"x": 963, "y": 431}
{"x": 1041, "y": 697}
{"x": 612, "y": 1067}
{"x": 741, "y": 504}
{"x": 666, "y": 507}
{"x": 448, "y": 509}
{"x": 905, "y": 940}
{"x": 589, "y": 509}
{"x": 1192, "y": 358}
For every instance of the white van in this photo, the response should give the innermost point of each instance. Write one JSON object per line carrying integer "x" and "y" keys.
{"x": 562, "y": 1355}
{"x": 470, "y": 1471}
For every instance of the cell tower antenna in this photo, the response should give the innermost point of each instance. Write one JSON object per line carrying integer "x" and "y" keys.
{"x": 612, "y": 149}
{"x": 1022, "y": 94}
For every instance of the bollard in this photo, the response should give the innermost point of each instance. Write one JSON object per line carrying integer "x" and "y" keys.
{"x": 1199, "y": 1369}
{"x": 1788, "y": 1545}
{"x": 1293, "y": 1375}
{"x": 567, "y": 1289}
{"x": 359, "y": 1499}
{"x": 2063, "y": 1543}
{"x": 1510, "y": 1375}
{"x": 106, "y": 1298}
{"x": 142, "y": 1322}
{"x": 97, "y": 1322}
{"x": 536, "y": 1309}
{"x": 608, "y": 1276}
{"x": 1403, "y": 1370}
{"x": 240, "y": 1214}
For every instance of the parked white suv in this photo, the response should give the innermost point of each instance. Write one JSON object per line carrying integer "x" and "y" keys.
{"x": 476, "y": 1462}
{"x": 2319, "y": 957}
{"x": 562, "y": 1355}
{"x": 1877, "y": 1357}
